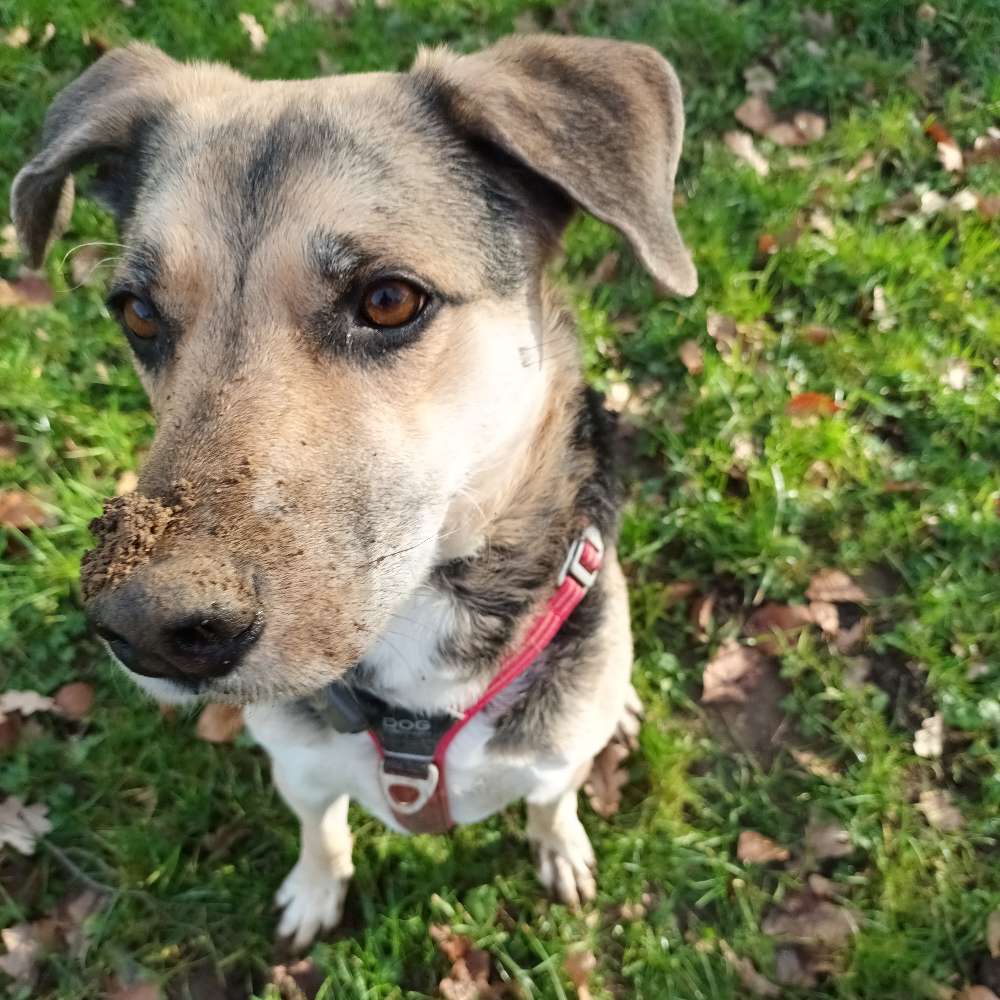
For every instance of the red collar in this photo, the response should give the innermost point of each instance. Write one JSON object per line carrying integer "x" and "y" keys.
{"x": 413, "y": 749}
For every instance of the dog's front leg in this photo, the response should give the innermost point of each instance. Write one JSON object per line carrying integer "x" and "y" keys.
{"x": 312, "y": 895}
{"x": 565, "y": 858}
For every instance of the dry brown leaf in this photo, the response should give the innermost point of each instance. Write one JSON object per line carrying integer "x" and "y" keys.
{"x": 741, "y": 145}
{"x": 774, "y": 618}
{"x": 755, "y": 113}
{"x": 701, "y": 614}
{"x": 255, "y": 31}
{"x": 805, "y": 127}
{"x": 71, "y": 917}
{"x": 469, "y": 976}
{"x": 607, "y": 779}
{"x": 75, "y": 700}
{"x": 790, "y": 969}
{"x": 25, "y": 702}
{"x": 300, "y": 980}
{"x": 732, "y": 674}
{"x": 928, "y": 741}
{"x": 25, "y": 944}
{"x": 827, "y": 840}
{"x": 826, "y": 616}
{"x": 809, "y": 404}
{"x": 579, "y": 964}
{"x": 219, "y": 723}
{"x": 816, "y": 765}
{"x": 692, "y": 356}
{"x": 822, "y": 224}
{"x": 747, "y": 974}
{"x": 989, "y": 206}
{"x": 722, "y": 329}
{"x": 20, "y": 510}
{"x": 9, "y": 448}
{"x": 27, "y": 291}
{"x": 835, "y": 586}
{"x": 939, "y": 810}
{"x": 985, "y": 149}
{"x": 755, "y": 848}
{"x": 21, "y": 825}
{"x": 807, "y": 919}
{"x": 993, "y": 933}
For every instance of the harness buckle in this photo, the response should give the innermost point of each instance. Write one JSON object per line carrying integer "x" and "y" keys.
{"x": 576, "y": 566}
{"x": 408, "y": 793}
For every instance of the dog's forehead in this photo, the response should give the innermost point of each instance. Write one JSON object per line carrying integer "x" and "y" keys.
{"x": 361, "y": 158}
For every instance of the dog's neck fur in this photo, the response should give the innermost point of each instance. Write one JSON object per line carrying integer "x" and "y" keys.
{"x": 502, "y": 545}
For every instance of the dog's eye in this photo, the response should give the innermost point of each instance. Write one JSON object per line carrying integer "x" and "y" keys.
{"x": 391, "y": 302}
{"x": 140, "y": 317}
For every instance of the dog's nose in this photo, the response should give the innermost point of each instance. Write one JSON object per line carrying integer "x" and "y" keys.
{"x": 182, "y": 619}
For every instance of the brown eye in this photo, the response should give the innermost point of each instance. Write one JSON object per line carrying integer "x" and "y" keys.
{"x": 139, "y": 316}
{"x": 391, "y": 302}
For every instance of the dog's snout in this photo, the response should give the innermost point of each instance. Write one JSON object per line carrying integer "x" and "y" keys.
{"x": 179, "y": 619}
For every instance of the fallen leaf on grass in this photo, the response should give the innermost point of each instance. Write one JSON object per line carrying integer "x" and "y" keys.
{"x": 755, "y": 848}
{"x": 807, "y": 404}
{"x": 939, "y": 810}
{"x": 722, "y": 329}
{"x": 692, "y": 357}
{"x": 607, "y": 778}
{"x": 818, "y": 766}
{"x": 25, "y": 944}
{"x": 71, "y": 917}
{"x": 747, "y": 974}
{"x": 985, "y": 149}
{"x": 993, "y": 934}
{"x": 815, "y": 933}
{"x": 948, "y": 149}
{"x": 771, "y": 619}
{"x": 755, "y": 113}
{"x": 741, "y": 145}
{"x": 863, "y": 165}
{"x": 826, "y": 616}
{"x": 75, "y": 700}
{"x": 21, "y": 825}
{"x": 836, "y": 586}
{"x": 822, "y": 224}
{"x": 255, "y": 31}
{"x": 732, "y": 674}
{"x": 27, "y": 291}
{"x": 21, "y": 510}
{"x": 928, "y": 741}
{"x": 579, "y": 964}
{"x": 24, "y": 702}
{"x": 469, "y": 976}
{"x": 219, "y": 723}
{"x": 299, "y": 980}
{"x": 701, "y": 614}
{"x": 827, "y": 840}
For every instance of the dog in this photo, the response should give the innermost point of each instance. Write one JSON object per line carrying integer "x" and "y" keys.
{"x": 380, "y": 508}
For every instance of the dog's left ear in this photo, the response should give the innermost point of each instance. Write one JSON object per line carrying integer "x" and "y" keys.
{"x": 602, "y": 120}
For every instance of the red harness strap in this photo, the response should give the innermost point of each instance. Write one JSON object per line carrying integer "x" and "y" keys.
{"x": 416, "y": 789}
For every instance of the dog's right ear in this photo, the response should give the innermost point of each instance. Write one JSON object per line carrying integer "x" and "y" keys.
{"x": 100, "y": 118}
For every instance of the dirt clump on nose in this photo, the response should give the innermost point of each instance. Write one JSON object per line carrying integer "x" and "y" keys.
{"x": 127, "y": 531}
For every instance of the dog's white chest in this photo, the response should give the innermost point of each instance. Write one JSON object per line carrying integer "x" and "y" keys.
{"x": 321, "y": 766}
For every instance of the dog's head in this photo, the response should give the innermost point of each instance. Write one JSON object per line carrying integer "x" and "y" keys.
{"x": 332, "y": 289}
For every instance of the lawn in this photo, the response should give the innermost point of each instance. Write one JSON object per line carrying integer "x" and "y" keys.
{"x": 837, "y": 409}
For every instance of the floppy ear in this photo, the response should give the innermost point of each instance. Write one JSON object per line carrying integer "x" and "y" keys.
{"x": 100, "y": 118}
{"x": 602, "y": 120}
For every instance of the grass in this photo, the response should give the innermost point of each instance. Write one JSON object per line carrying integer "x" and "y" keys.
{"x": 193, "y": 838}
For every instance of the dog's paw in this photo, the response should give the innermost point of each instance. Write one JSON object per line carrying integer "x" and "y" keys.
{"x": 312, "y": 902}
{"x": 566, "y": 866}
{"x": 631, "y": 720}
